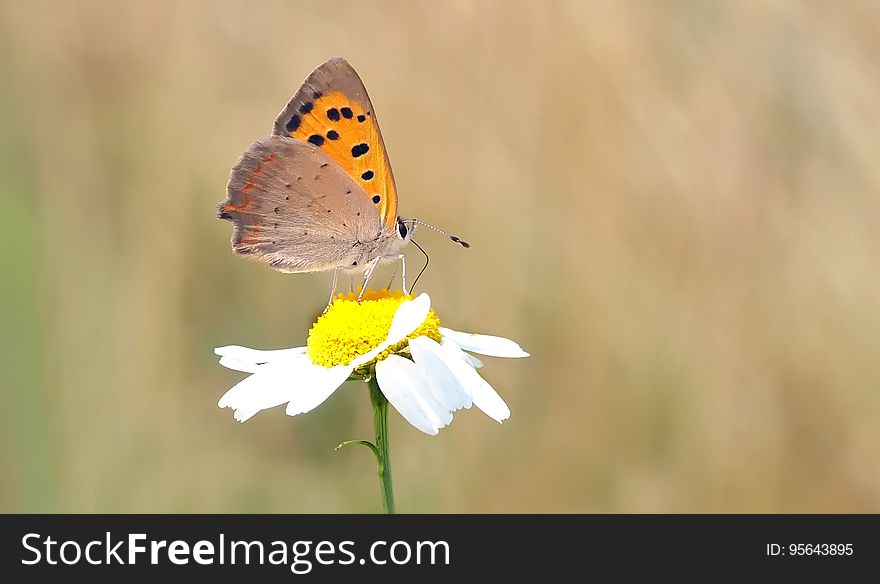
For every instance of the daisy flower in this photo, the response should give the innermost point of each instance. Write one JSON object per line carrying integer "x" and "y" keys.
{"x": 391, "y": 340}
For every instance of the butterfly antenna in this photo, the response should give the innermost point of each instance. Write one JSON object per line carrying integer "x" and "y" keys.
{"x": 454, "y": 238}
{"x": 425, "y": 267}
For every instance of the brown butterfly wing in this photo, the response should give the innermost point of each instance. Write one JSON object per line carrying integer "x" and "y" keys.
{"x": 332, "y": 111}
{"x": 295, "y": 208}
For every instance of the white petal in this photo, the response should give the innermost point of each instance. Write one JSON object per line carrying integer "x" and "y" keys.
{"x": 429, "y": 357}
{"x": 485, "y": 344}
{"x": 313, "y": 385}
{"x": 471, "y": 360}
{"x": 255, "y": 356}
{"x": 485, "y": 398}
{"x": 488, "y": 400}
{"x": 244, "y": 366}
{"x": 409, "y": 316}
{"x": 474, "y": 361}
{"x": 271, "y": 386}
{"x": 369, "y": 355}
{"x": 405, "y": 387}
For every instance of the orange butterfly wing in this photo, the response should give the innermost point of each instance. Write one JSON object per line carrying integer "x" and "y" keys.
{"x": 333, "y": 111}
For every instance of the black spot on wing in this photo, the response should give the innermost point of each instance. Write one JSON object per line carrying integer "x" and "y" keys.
{"x": 367, "y": 175}
{"x": 359, "y": 150}
{"x": 316, "y": 139}
{"x": 333, "y": 135}
{"x": 333, "y": 114}
{"x": 306, "y": 107}
{"x": 346, "y": 113}
{"x": 362, "y": 118}
{"x": 293, "y": 124}
{"x": 317, "y": 95}
{"x": 376, "y": 199}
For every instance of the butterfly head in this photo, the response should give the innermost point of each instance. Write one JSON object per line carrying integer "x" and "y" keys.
{"x": 405, "y": 229}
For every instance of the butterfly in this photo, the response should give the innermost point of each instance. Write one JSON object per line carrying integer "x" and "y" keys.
{"x": 319, "y": 194}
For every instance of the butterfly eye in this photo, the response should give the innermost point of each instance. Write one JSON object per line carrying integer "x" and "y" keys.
{"x": 401, "y": 228}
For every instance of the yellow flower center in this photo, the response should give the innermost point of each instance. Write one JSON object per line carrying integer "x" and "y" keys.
{"x": 349, "y": 329}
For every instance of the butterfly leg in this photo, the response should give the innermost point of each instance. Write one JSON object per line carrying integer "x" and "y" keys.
{"x": 402, "y": 259}
{"x": 403, "y": 273}
{"x": 332, "y": 288}
{"x": 367, "y": 276}
{"x": 391, "y": 280}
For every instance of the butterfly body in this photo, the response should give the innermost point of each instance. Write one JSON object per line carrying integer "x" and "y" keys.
{"x": 318, "y": 194}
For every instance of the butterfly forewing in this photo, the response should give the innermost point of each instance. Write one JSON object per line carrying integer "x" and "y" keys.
{"x": 295, "y": 208}
{"x": 333, "y": 112}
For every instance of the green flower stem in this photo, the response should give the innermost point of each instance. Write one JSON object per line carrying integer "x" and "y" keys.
{"x": 383, "y": 458}
{"x": 380, "y": 448}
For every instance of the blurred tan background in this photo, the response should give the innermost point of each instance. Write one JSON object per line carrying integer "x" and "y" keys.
{"x": 672, "y": 205}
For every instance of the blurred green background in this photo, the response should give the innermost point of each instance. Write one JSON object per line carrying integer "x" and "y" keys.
{"x": 672, "y": 205}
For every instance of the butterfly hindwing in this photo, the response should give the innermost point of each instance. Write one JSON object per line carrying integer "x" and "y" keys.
{"x": 332, "y": 111}
{"x": 296, "y": 209}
